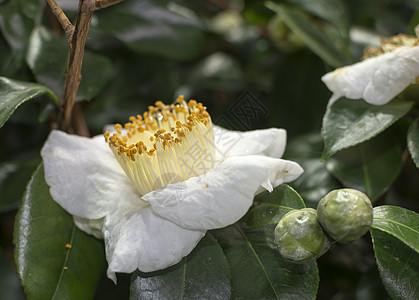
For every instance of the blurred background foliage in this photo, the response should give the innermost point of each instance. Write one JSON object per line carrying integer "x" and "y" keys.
{"x": 218, "y": 52}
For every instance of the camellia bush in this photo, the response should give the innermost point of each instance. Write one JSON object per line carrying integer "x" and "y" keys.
{"x": 223, "y": 149}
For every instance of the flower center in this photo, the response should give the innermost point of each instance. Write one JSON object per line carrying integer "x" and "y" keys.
{"x": 167, "y": 144}
{"x": 391, "y": 44}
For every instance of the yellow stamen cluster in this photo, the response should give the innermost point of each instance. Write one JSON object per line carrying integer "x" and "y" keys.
{"x": 391, "y": 44}
{"x": 167, "y": 144}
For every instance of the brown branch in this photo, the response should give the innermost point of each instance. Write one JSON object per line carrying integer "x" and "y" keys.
{"x": 98, "y": 4}
{"x": 75, "y": 61}
{"x": 73, "y": 76}
{"x": 62, "y": 18}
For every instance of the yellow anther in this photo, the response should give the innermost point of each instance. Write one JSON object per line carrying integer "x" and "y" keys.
{"x": 180, "y": 99}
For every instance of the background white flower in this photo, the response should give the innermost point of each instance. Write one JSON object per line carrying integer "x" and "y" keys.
{"x": 378, "y": 79}
{"x": 155, "y": 230}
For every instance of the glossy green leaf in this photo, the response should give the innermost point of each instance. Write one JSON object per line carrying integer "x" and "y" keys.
{"x": 398, "y": 265}
{"x": 258, "y": 270}
{"x": 13, "y": 178}
{"x": 371, "y": 167}
{"x": 351, "y": 122}
{"x": 316, "y": 181}
{"x": 47, "y": 58}
{"x": 146, "y": 27}
{"x": 330, "y": 10}
{"x": 314, "y": 38}
{"x": 14, "y": 93}
{"x": 413, "y": 141}
{"x": 399, "y": 222}
{"x": 47, "y": 267}
{"x": 9, "y": 281}
{"x": 271, "y": 207}
{"x": 203, "y": 274}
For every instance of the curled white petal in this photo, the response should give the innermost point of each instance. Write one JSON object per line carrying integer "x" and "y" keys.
{"x": 90, "y": 226}
{"x": 270, "y": 142}
{"x": 224, "y": 194}
{"x": 141, "y": 239}
{"x": 377, "y": 80}
{"x": 83, "y": 175}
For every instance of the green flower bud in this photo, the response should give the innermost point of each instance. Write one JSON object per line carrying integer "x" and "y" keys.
{"x": 300, "y": 237}
{"x": 345, "y": 214}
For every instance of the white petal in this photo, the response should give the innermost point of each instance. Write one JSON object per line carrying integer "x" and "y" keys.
{"x": 83, "y": 175}
{"x": 93, "y": 227}
{"x": 224, "y": 194}
{"x": 270, "y": 142}
{"x": 377, "y": 80}
{"x": 141, "y": 239}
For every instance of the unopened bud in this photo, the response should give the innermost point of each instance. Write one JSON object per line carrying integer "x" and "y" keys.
{"x": 300, "y": 237}
{"x": 345, "y": 214}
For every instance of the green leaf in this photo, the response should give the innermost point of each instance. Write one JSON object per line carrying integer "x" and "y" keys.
{"x": 398, "y": 265}
{"x": 146, "y": 27}
{"x": 271, "y": 207}
{"x": 330, "y": 10}
{"x": 351, "y": 122}
{"x": 15, "y": 28}
{"x": 314, "y": 38}
{"x": 47, "y": 58}
{"x": 371, "y": 167}
{"x": 13, "y": 93}
{"x": 258, "y": 270}
{"x": 413, "y": 141}
{"x": 203, "y": 274}
{"x": 47, "y": 267}
{"x": 290, "y": 103}
{"x": 395, "y": 232}
{"x": 399, "y": 222}
{"x": 316, "y": 181}
{"x": 13, "y": 178}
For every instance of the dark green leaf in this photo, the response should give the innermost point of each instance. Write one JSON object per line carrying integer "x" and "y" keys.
{"x": 398, "y": 265}
{"x": 314, "y": 38}
{"x": 217, "y": 71}
{"x": 15, "y": 28}
{"x": 399, "y": 222}
{"x": 271, "y": 207}
{"x": 9, "y": 281}
{"x": 47, "y": 268}
{"x": 413, "y": 141}
{"x": 316, "y": 181}
{"x": 47, "y": 58}
{"x": 289, "y": 102}
{"x": 370, "y": 286}
{"x": 203, "y": 274}
{"x": 13, "y": 93}
{"x": 351, "y": 122}
{"x": 257, "y": 269}
{"x": 13, "y": 178}
{"x": 371, "y": 167}
{"x": 32, "y": 9}
{"x": 330, "y": 10}
{"x": 146, "y": 27}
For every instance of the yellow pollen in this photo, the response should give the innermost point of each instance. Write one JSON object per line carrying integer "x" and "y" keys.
{"x": 180, "y": 142}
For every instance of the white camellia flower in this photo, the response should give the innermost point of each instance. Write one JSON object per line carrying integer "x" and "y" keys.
{"x": 384, "y": 73}
{"x": 153, "y": 189}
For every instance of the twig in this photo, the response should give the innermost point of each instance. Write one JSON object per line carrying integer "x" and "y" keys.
{"x": 79, "y": 124}
{"x": 98, "y": 4}
{"x": 73, "y": 77}
{"x": 62, "y": 18}
{"x": 75, "y": 61}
